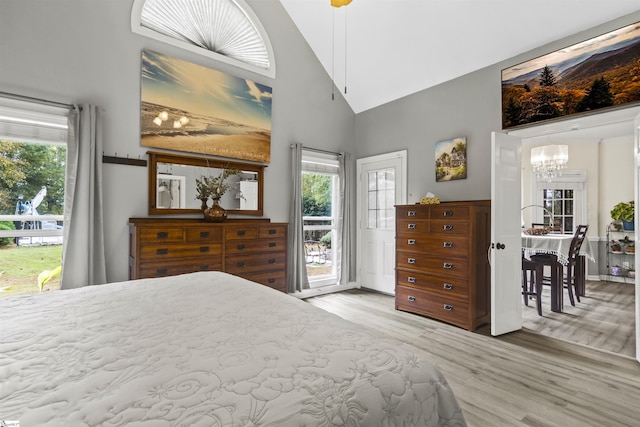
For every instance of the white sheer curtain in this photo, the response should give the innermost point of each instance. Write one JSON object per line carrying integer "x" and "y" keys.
{"x": 83, "y": 259}
{"x": 345, "y": 249}
{"x": 297, "y": 266}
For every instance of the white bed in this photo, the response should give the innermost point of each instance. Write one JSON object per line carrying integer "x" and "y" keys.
{"x": 205, "y": 349}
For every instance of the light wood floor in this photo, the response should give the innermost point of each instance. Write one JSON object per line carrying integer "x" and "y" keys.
{"x": 519, "y": 379}
{"x": 605, "y": 319}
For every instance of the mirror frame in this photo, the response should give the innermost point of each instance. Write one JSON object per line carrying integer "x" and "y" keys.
{"x": 205, "y": 162}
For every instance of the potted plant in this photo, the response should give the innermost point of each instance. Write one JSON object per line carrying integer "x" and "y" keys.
{"x": 624, "y": 212}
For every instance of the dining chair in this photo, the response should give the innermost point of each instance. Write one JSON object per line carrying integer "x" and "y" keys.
{"x": 569, "y": 278}
{"x": 532, "y": 276}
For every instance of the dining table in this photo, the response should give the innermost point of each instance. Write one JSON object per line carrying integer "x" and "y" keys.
{"x": 557, "y": 247}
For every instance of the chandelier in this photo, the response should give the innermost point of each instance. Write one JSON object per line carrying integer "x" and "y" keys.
{"x": 548, "y": 160}
{"x": 340, "y": 3}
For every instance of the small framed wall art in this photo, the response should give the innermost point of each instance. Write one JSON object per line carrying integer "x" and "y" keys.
{"x": 451, "y": 159}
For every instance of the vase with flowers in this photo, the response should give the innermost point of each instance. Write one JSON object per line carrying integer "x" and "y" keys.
{"x": 214, "y": 187}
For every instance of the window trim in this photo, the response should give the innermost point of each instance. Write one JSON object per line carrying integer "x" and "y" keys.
{"x": 270, "y": 72}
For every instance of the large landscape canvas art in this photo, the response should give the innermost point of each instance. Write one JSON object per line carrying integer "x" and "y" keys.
{"x": 600, "y": 73}
{"x": 192, "y": 108}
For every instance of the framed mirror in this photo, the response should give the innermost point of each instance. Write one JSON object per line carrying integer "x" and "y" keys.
{"x": 172, "y": 184}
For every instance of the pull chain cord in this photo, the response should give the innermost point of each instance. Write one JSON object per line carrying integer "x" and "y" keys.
{"x": 345, "y": 52}
{"x": 333, "y": 50}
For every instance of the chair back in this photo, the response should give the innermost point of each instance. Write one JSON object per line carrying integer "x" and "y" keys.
{"x": 576, "y": 242}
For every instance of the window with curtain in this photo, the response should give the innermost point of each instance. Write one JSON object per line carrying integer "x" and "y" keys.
{"x": 320, "y": 204}
{"x": 33, "y": 137}
{"x": 226, "y": 30}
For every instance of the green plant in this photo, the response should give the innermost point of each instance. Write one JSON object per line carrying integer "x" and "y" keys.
{"x": 216, "y": 186}
{"x": 623, "y": 211}
{"x": 6, "y": 225}
{"x": 47, "y": 275}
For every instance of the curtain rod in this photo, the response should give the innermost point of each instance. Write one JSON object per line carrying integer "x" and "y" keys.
{"x": 317, "y": 150}
{"x": 39, "y": 100}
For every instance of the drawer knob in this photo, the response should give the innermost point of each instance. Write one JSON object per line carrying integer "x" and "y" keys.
{"x": 240, "y": 264}
{"x": 162, "y": 235}
{"x": 411, "y": 279}
{"x": 447, "y": 213}
{"x": 447, "y": 265}
{"x": 204, "y": 267}
{"x": 240, "y": 247}
{"x": 272, "y": 244}
{"x": 448, "y": 307}
{"x": 411, "y": 241}
{"x": 411, "y": 226}
{"x": 411, "y": 260}
{"x": 411, "y": 298}
{"x": 447, "y": 286}
{"x": 204, "y": 248}
{"x": 447, "y": 227}
{"x": 241, "y": 232}
{"x": 411, "y": 213}
{"x": 161, "y": 271}
{"x": 204, "y": 234}
{"x": 272, "y": 280}
{"x": 271, "y": 231}
{"x": 448, "y": 244}
{"x": 272, "y": 261}
{"x": 163, "y": 251}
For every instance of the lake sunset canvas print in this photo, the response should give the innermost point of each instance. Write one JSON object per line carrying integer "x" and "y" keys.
{"x": 600, "y": 73}
{"x": 192, "y": 108}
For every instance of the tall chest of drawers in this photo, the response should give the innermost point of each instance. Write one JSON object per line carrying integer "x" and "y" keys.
{"x": 442, "y": 270}
{"x": 253, "y": 249}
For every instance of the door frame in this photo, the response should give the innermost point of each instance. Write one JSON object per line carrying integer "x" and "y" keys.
{"x": 402, "y": 189}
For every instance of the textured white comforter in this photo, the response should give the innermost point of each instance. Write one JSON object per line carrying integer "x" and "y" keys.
{"x": 205, "y": 349}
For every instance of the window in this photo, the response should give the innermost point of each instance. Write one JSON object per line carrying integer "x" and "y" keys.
{"x": 381, "y": 199}
{"x": 225, "y": 30}
{"x": 564, "y": 199}
{"x": 320, "y": 204}
{"x": 33, "y": 139}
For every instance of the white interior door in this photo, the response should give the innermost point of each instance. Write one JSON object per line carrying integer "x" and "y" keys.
{"x": 636, "y": 132}
{"x": 381, "y": 185}
{"x": 506, "y": 241}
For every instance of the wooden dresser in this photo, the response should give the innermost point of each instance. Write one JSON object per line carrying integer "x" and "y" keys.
{"x": 442, "y": 270}
{"x": 253, "y": 249}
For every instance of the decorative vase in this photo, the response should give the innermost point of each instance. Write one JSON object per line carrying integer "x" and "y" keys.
{"x": 215, "y": 213}
{"x": 203, "y": 204}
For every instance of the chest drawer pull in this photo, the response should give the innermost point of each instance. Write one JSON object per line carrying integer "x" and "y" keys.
{"x": 411, "y": 298}
{"x": 411, "y": 260}
{"x": 411, "y": 279}
{"x": 204, "y": 234}
{"x": 448, "y": 307}
{"x": 204, "y": 248}
{"x": 161, "y": 271}
{"x": 447, "y": 265}
{"x": 272, "y": 261}
{"x": 411, "y": 241}
{"x": 162, "y": 235}
{"x": 272, "y": 280}
{"x": 163, "y": 251}
{"x": 447, "y": 286}
{"x": 204, "y": 267}
{"x": 272, "y": 244}
{"x": 447, "y": 213}
{"x": 241, "y": 232}
{"x": 411, "y": 226}
{"x": 240, "y": 247}
{"x": 411, "y": 213}
{"x": 272, "y": 231}
{"x": 447, "y": 227}
{"x": 448, "y": 244}
{"x": 240, "y": 264}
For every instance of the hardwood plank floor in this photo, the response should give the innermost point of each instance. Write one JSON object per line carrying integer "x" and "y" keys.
{"x": 604, "y": 319}
{"x": 519, "y": 379}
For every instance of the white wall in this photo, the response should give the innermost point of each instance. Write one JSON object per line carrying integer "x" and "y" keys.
{"x": 616, "y": 160}
{"x": 83, "y": 51}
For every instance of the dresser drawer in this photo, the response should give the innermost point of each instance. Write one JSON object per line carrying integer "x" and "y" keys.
{"x": 274, "y": 279}
{"x": 239, "y": 264}
{"x": 412, "y": 226}
{"x": 257, "y": 245}
{"x": 272, "y": 231}
{"x": 412, "y": 212}
{"x": 160, "y": 269}
{"x": 240, "y": 232}
{"x": 161, "y": 235}
{"x": 436, "y": 245}
{"x": 451, "y": 286}
{"x": 204, "y": 234}
{"x": 454, "y": 213}
{"x": 426, "y": 263}
{"x": 450, "y": 227}
{"x": 427, "y": 303}
{"x": 157, "y": 251}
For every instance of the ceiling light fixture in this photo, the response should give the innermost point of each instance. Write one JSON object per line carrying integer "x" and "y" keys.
{"x": 337, "y": 4}
{"x": 548, "y": 160}
{"x": 340, "y": 3}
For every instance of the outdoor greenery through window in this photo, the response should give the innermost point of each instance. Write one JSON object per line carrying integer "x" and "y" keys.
{"x": 319, "y": 212}
{"x": 31, "y": 184}
{"x": 560, "y": 203}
